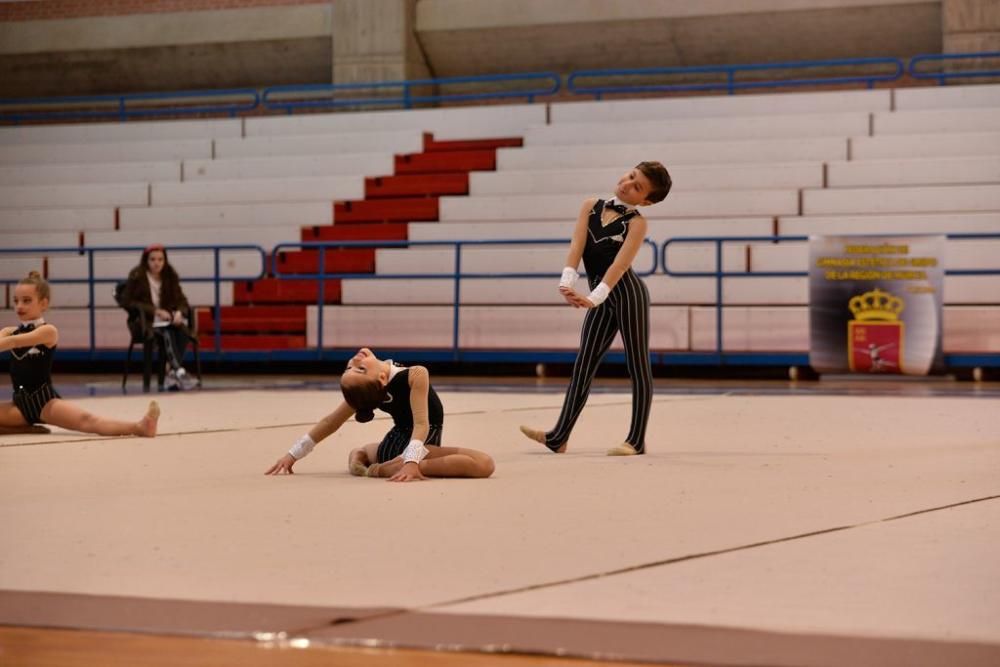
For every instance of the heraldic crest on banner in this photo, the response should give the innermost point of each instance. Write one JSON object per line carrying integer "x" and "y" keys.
{"x": 875, "y": 335}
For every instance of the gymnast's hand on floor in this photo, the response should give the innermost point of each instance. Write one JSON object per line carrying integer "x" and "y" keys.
{"x": 408, "y": 473}
{"x": 282, "y": 466}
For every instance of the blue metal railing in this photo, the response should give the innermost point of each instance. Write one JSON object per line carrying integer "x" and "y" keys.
{"x": 340, "y": 95}
{"x": 658, "y": 257}
{"x": 943, "y": 76}
{"x": 731, "y": 72}
{"x": 457, "y": 275}
{"x": 92, "y": 280}
{"x": 127, "y": 106}
{"x": 719, "y": 273}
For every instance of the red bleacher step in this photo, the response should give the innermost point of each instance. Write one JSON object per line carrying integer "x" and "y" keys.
{"x": 336, "y": 260}
{"x": 360, "y": 231}
{"x": 432, "y": 146}
{"x": 255, "y": 342}
{"x": 255, "y": 319}
{"x": 386, "y": 210}
{"x": 448, "y": 183}
{"x": 274, "y": 290}
{"x": 446, "y": 161}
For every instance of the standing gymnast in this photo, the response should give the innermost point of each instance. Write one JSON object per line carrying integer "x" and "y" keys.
{"x": 608, "y": 234}
{"x": 417, "y": 414}
{"x": 35, "y": 400}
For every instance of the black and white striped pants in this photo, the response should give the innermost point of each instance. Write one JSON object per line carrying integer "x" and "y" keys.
{"x": 626, "y": 310}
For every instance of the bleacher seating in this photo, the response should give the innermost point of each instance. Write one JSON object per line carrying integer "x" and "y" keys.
{"x": 921, "y": 160}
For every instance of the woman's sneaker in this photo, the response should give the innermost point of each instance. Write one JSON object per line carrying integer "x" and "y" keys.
{"x": 170, "y": 382}
{"x": 186, "y": 381}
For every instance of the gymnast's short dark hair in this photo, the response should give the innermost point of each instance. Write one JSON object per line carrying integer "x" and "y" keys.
{"x": 659, "y": 178}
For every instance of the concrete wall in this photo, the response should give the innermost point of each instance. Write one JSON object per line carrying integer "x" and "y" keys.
{"x": 971, "y": 26}
{"x": 524, "y": 35}
{"x": 252, "y": 47}
{"x": 310, "y": 41}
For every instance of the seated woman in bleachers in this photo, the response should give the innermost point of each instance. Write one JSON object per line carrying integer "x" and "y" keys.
{"x": 154, "y": 289}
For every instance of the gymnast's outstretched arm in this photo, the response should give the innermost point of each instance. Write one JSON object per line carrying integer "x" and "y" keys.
{"x": 326, "y": 427}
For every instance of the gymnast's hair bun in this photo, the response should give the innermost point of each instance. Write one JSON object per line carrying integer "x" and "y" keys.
{"x": 364, "y": 415}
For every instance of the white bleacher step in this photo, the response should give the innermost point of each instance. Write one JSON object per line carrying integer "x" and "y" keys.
{"x": 114, "y": 152}
{"x": 58, "y": 174}
{"x": 95, "y": 195}
{"x": 289, "y": 167}
{"x": 79, "y": 133}
{"x": 233, "y": 264}
{"x": 658, "y": 230}
{"x": 396, "y": 141}
{"x": 957, "y": 144}
{"x": 686, "y": 177}
{"x": 704, "y": 129}
{"x": 475, "y": 259}
{"x": 623, "y": 156}
{"x": 947, "y": 97}
{"x": 892, "y": 223}
{"x": 14, "y": 267}
{"x": 682, "y": 204}
{"x": 223, "y": 216}
{"x": 905, "y": 171}
{"x": 44, "y": 220}
{"x": 486, "y": 259}
{"x": 480, "y": 122}
{"x": 936, "y": 121}
{"x": 77, "y": 295}
{"x": 965, "y": 329}
{"x": 929, "y": 199}
{"x": 38, "y": 239}
{"x": 110, "y": 328}
{"x": 264, "y": 236}
{"x": 325, "y": 189}
{"x": 751, "y": 329}
{"x": 971, "y": 329}
{"x": 662, "y": 290}
{"x": 722, "y": 106}
{"x": 490, "y": 327}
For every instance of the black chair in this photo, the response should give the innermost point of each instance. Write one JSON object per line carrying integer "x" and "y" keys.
{"x": 141, "y": 332}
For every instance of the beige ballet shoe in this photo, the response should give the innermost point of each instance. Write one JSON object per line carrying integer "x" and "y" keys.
{"x": 533, "y": 433}
{"x": 623, "y": 449}
{"x": 372, "y": 470}
{"x": 539, "y": 436}
{"x": 358, "y": 469}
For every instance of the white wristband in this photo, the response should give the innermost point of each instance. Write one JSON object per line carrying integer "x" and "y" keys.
{"x": 599, "y": 294}
{"x": 415, "y": 452}
{"x": 569, "y": 276}
{"x": 302, "y": 447}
